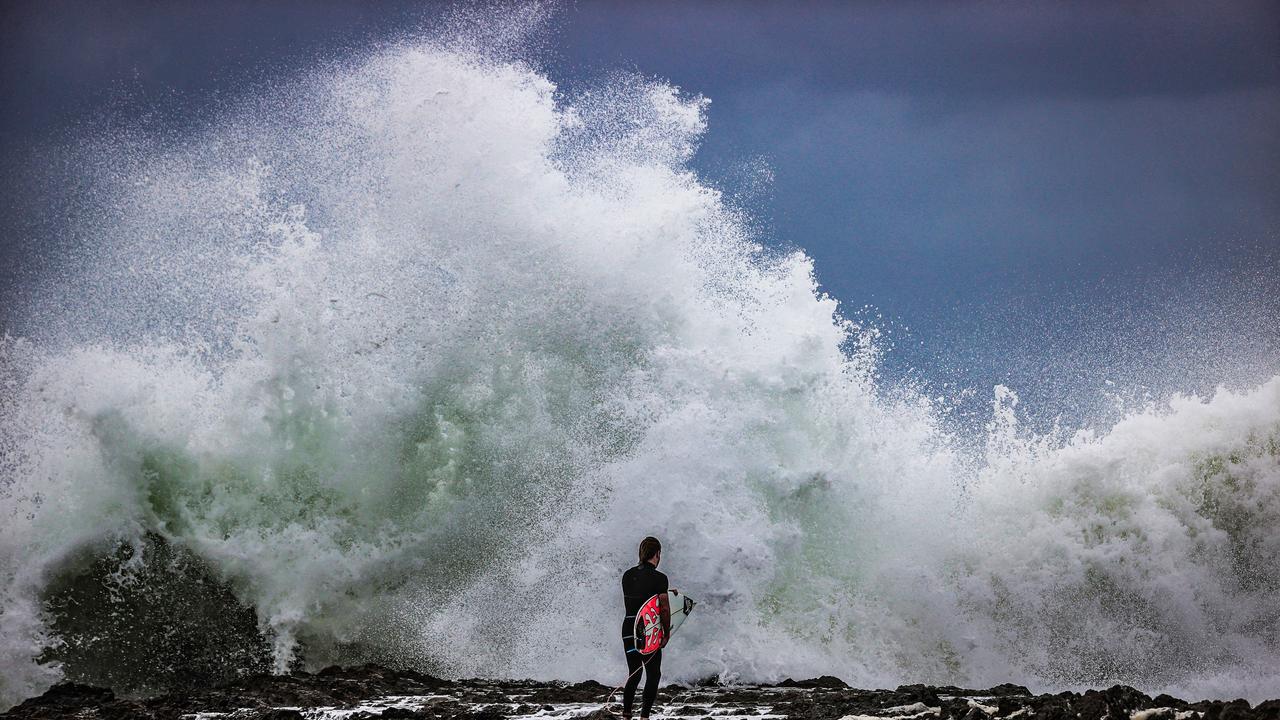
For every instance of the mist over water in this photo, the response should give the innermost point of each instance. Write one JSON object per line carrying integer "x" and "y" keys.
{"x": 406, "y": 357}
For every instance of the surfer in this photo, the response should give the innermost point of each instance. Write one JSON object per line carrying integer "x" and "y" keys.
{"x": 639, "y": 584}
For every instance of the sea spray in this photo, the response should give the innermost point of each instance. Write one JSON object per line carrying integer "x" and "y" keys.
{"x": 408, "y": 356}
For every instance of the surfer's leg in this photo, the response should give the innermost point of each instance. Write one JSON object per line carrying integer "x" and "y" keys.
{"x": 634, "y": 663}
{"x": 652, "y": 674}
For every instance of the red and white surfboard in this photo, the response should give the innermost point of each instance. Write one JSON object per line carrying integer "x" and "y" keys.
{"x": 648, "y": 630}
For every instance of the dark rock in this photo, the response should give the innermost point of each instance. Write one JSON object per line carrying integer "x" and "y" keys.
{"x": 1219, "y": 710}
{"x": 826, "y": 681}
{"x": 1003, "y": 690}
{"x": 588, "y": 685}
{"x": 1008, "y": 705}
{"x": 1048, "y": 707}
{"x": 1093, "y": 705}
{"x": 403, "y": 713}
{"x": 1236, "y": 710}
{"x": 126, "y": 635}
{"x": 1127, "y": 698}
{"x": 952, "y": 690}
{"x": 1267, "y": 710}
{"x": 918, "y": 693}
{"x": 1168, "y": 701}
{"x": 261, "y": 697}
{"x": 588, "y": 691}
{"x": 124, "y": 711}
{"x": 955, "y": 708}
{"x": 1053, "y": 709}
{"x": 69, "y": 696}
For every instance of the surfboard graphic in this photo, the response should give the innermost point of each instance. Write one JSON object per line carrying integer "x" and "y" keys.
{"x": 648, "y": 627}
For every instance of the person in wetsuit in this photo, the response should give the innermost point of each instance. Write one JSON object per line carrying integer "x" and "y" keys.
{"x": 638, "y": 585}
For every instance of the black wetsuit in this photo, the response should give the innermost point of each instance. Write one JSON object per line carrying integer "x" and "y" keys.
{"x": 638, "y": 585}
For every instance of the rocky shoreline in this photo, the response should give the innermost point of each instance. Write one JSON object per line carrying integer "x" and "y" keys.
{"x": 370, "y": 691}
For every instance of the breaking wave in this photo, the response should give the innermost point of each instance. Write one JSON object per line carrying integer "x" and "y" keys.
{"x": 400, "y": 362}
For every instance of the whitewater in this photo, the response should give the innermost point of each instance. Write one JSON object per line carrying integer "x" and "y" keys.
{"x": 399, "y": 361}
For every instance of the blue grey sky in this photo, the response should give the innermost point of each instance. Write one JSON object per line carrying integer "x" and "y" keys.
{"x": 1050, "y": 195}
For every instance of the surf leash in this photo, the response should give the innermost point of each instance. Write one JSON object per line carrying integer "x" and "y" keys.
{"x": 609, "y": 700}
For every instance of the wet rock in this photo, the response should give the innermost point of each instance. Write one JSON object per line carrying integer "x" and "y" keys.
{"x": 918, "y": 694}
{"x": 1127, "y": 699}
{"x": 1234, "y": 710}
{"x": 1093, "y": 704}
{"x": 403, "y": 713}
{"x": 1168, "y": 701}
{"x": 588, "y": 691}
{"x": 826, "y": 681}
{"x": 126, "y": 635}
{"x": 67, "y": 700}
{"x": 69, "y": 696}
{"x": 1053, "y": 707}
{"x": 1009, "y": 704}
{"x": 1004, "y": 689}
{"x": 1267, "y": 710}
{"x": 825, "y": 698}
{"x": 1054, "y": 711}
{"x": 281, "y": 714}
{"x": 955, "y": 708}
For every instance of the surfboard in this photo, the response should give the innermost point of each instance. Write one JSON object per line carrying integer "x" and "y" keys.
{"x": 648, "y": 627}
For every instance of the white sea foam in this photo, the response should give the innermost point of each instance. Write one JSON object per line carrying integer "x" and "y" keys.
{"x": 413, "y": 353}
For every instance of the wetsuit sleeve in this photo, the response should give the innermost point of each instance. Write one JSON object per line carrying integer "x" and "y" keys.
{"x": 662, "y": 582}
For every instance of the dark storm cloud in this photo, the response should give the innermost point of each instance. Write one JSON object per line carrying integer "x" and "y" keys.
{"x": 985, "y": 49}
{"x": 63, "y": 58}
{"x": 913, "y": 139}
{"x": 1051, "y": 129}
{"x": 1112, "y": 177}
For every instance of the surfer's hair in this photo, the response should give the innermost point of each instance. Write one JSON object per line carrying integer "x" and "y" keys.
{"x": 649, "y": 547}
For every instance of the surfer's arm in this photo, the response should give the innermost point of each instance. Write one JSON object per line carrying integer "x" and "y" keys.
{"x": 664, "y": 610}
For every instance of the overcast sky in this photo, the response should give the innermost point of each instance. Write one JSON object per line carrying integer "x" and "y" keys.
{"x": 1032, "y": 192}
